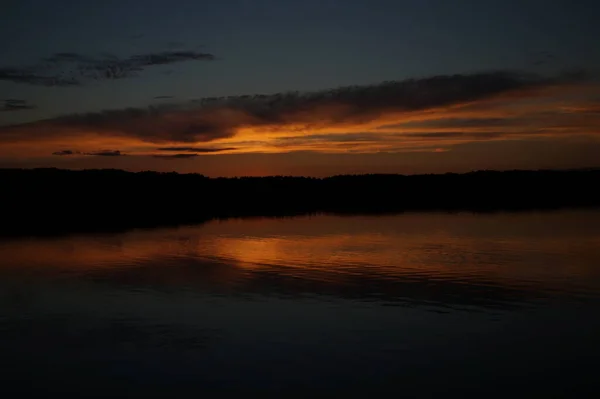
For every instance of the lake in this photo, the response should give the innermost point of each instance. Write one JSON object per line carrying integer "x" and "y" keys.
{"x": 416, "y": 304}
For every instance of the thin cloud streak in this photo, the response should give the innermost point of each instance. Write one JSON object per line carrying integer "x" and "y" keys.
{"x": 195, "y": 149}
{"x": 101, "y": 153}
{"x": 186, "y": 152}
{"x": 13, "y": 104}
{"x": 66, "y": 153}
{"x": 175, "y": 156}
{"x": 73, "y": 69}
{"x": 106, "y": 153}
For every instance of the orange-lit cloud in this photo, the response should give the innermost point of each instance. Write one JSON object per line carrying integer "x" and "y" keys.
{"x": 429, "y": 114}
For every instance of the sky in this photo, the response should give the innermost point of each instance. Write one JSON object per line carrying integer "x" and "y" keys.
{"x": 317, "y": 87}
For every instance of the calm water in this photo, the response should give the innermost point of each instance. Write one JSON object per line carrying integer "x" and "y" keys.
{"x": 418, "y": 304}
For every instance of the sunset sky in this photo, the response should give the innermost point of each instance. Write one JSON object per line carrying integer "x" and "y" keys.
{"x": 312, "y": 87}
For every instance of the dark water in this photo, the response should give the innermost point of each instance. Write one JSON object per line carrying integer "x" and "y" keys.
{"x": 503, "y": 305}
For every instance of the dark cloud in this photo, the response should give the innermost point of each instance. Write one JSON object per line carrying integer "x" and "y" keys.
{"x": 13, "y": 104}
{"x": 543, "y": 57}
{"x": 106, "y": 153}
{"x": 72, "y": 69}
{"x": 32, "y": 76}
{"x": 208, "y": 119}
{"x": 175, "y": 156}
{"x": 66, "y": 152}
{"x": 195, "y": 149}
{"x": 193, "y": 152}
{"x": 162, "y": 97}
{"x": 101, "y": 153}
{"x": 168, "y": 57}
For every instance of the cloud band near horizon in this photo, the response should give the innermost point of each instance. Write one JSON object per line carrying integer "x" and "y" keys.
{"x": 407, "y": 115}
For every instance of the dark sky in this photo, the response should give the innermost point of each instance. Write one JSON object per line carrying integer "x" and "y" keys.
{"x": 516, "y": 85}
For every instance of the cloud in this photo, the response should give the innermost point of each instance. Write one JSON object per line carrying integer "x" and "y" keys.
{"x": 66, "y": 152}
{"x": 543, "y": 57}
{"x": 162, "y": 97}
{"x": 31, "y": 75}
{"x": 101, "y": 153}
{"x": 546, "y": 117}
{"x": 175, "y": 156}
{"x": 195, "y": 149}
{"x": 455, "y": 123}
{"x": 106, "y": 153}
{"x": 377, "y": 142}
{"x": 74, "y": 69}
{"x": 168, "y": 57}
{"x": 381, "y": 137}
{"x": 12, "y": 104}
{"x": 191, "y": 152}
{"x": 446, "y": 135}
{"x": 210, "y": 119}
{"x": 349, "y": 137}
{"x": 394, "y": 116}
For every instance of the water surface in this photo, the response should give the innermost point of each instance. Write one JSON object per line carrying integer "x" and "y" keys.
{"x": 415, "y": 304}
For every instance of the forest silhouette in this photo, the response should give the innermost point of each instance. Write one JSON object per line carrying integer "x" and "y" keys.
{"x": 57, "y": 201}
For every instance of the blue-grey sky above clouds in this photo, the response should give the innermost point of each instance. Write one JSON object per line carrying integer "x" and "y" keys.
{"x": 154, "y": 63}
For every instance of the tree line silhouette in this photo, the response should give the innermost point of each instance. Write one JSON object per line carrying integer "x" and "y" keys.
{"x": 49, "y": 201}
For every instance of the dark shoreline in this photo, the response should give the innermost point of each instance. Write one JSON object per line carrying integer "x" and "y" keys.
{"x": 56, "y": 201}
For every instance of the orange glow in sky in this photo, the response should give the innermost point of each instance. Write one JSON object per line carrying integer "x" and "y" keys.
{"x": 563, "y": 114}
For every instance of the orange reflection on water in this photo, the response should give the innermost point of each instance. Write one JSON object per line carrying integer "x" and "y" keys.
{"x": 555, "y": 250}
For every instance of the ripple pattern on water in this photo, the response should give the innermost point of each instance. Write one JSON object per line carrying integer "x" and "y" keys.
{"x": 323, "y": 301}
